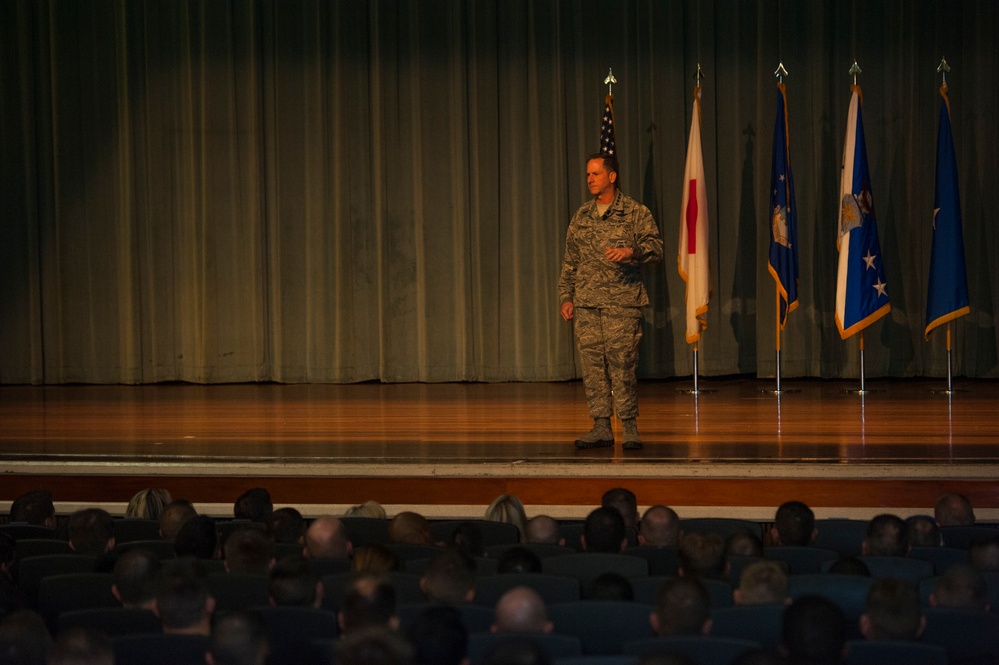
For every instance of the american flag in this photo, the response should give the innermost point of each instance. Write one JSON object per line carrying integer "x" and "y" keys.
{"x": 608, "y": 145}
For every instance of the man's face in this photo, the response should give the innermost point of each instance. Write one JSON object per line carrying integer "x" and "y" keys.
{"x": 599, "y": 181}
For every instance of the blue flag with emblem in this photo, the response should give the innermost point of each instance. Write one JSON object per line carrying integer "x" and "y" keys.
{"x": 783, "y": 263}
{"x": 947, "y": 297}
{"x": 861, "y": 288}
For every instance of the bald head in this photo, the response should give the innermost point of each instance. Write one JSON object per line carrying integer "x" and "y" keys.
{"x": 326, "y": 538}
{"x": 660, "y": 527}
{"x": 544, "y": 530}
{"x": 521, "y": 610}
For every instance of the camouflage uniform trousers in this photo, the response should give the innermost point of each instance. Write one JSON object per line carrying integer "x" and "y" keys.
{"x": 607, "y": 339}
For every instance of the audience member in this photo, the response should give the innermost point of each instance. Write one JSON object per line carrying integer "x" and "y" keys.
{"x": 683, "y": 607}
{"x": 286, "y": 526}
{"x": 81, "y": 647}
{"x": 175, "y": 515}
{"x": 611, "y": 586}
{"x": 466, "y": 537}
{"x": 369, "y": 601}
{"x": 248, "y": 551}
{"x": 183, "y": 602}
{"x": 604, "y": 531}
{"x": 34, "y": 507}
{"x": 762, "y": 583}
{"x": 253, "y": 504}
{"x": 148, "y": 504}
{"x": 24, "y": 639}
{"x": 923, "y": 531}
{"x": 11, "y": 598}
{"x": 521, "y": 610}
{"x": 953, "y": 509}
{"x": 623, "y": 501}
{"x": 412, "y": 528}
{"x": 743, "y": 543}
{"x": 961, "y": 587}
{"x": 518, "y": 560}
{"x": 983, "y": 554}
{"x": 886, "y": 536}
{"x": 449, "y": 579}
{"x": 892, "y": 612}
{"x": 293, "y": 583}
{"x": 813, "y": 632}
{"x": 371, "y": 509}
{"x": 374, "y": 559}
{"x": 508, "y": 509}
{"x": 374, "y": 646}
{"x": 544, "y": 530}
{"x": 91, "y": 532}
{"x": 327, "y": 538}
{"x": 135, "y": 578}
{"x": 660, "y": 527}
{"x": 703, "y": 555}
{"x": 237, "y": 638}
{"x": 438, "y": 637}
{"x": 794, "y": 525}
{"x": 198, "y": 538}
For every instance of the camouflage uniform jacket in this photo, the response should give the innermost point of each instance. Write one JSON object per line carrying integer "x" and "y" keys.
{"x": 588, "y": 279}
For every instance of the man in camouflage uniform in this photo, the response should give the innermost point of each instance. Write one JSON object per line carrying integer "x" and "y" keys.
{"x": 601, "y": 289}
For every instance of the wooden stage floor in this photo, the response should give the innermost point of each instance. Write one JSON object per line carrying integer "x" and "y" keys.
{"x": 449, "y": 449}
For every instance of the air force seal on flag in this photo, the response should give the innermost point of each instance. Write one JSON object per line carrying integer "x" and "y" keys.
{"x": 780, "y": 226}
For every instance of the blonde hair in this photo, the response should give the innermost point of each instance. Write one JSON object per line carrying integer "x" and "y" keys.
{"x": 148, "y": 503}
{"x": 367, "y": 509}
{"x": 508, "y": 508}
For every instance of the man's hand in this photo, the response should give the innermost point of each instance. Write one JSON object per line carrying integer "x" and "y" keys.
{"x": 618, "y": 254}
{"x": 567, "y": 310}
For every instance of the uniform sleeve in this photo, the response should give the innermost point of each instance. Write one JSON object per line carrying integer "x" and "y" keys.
{"x": 650, "y": 243}
{"x": 567, "y": 278}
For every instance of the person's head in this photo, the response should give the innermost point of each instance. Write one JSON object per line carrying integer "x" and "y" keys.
{"x": 449, "y": 578}
{"x": 249, "y": 550}
{"x": 367, "y": 509}
{"x": 183, "y": 602}
{"x": 983, "y": 554}
{"x": 327, "y": 538}
{"x": 368, "y": 601}
{"x": 80, "y": 646}
{"x": 518, "y": 560}
{"x": 507, "y": 508}
{"x": 521, "y": 610}
{"x": 544, "y": 530}
{"x": 762, "y": 583}
{"x": 813, "y": 632}
{"x": 91, "y": 531}
{"x": 887, "y": 535}
{"x": 374, "y": 646}
{"x": 467, "y": 537}
{"x": 24, "y": 639}
{"x": 253, "y": 504}
{"x": 660, "y": 527}
{"x": 34, "y": 507}
{"x": 604, "y": 531}
{"x": 286, "y": 525}
{"x": 135, "y": 574}
{"x": 375, "y": 559}
{"x": 794, "y": 525}
{"x": 923, "y": 531}
{"x": 237, "y": 638}
{"x": 953, "y": 509}
{"x": 624, "y": 501}
{"x": 892, "y": 611}
{"x": 438, "y": 637}
{"x": 611, "y": 586}
{"x": 602, "y": 176}
{"x": 702, "y": 555}
{"x": 293, "y": 583}
{"x": 961, "y": 587}
{"x": 198, "y": 538}
{"x": 743, "y": 543}
{"x": 410, "y": 527}
{"x": 148, "y": 503}
{"x": 174, "y": 516}
{"x": 683, "y": 607}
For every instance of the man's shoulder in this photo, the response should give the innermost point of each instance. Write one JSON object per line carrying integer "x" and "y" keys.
{"x": 628, "y": 205}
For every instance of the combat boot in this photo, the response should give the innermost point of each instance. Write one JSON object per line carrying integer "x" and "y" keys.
{"x": 601, "y": 436}
{"x": 631, "y": 439}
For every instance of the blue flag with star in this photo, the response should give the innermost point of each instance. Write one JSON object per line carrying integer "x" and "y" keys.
{"x": 783, "y": 263}
{"x": 608, "y": 145}
{"x": 947, "y": 298}
{"x": 861, "y": 287}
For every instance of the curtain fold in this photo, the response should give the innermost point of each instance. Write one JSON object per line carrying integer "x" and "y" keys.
{"x": 302, "y": 191}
